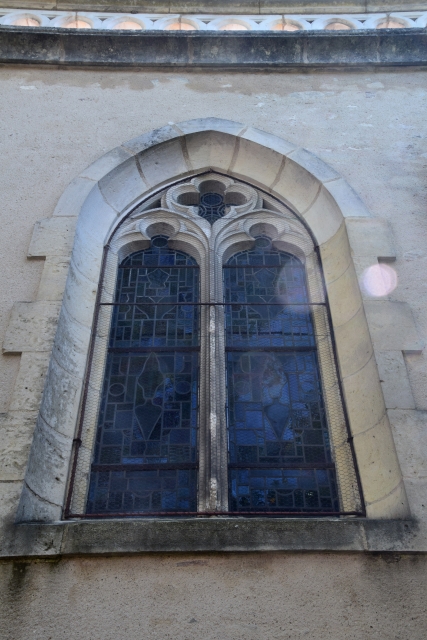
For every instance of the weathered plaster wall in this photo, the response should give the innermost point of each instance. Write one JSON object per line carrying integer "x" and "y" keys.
{"x": 217, "y": 597}
{"x": 371, "y": 128}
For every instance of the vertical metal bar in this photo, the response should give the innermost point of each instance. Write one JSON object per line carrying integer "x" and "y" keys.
{"x": 77, "y": 440}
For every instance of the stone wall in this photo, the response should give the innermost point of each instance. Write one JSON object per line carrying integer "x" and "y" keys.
{"x": 217, "y": 597}
{"x": 367, "y": 125}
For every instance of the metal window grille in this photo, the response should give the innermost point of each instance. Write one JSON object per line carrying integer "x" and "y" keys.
{"x": 136, "y": 450}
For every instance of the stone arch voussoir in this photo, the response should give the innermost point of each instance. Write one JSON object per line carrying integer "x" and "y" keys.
{"x": 102, "y": 195}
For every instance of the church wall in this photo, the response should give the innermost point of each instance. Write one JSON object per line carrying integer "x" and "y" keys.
{"x": 217, "y": 597}
{"x": 370, "y": 127}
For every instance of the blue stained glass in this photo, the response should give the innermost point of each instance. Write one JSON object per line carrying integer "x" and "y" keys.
{"x": 148, "y": 413}
{"x": 276, "y": 415}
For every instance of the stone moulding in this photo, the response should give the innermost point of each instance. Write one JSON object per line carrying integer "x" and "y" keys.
{"x": 110, "y": 189}
{"x": 222, "y": 49}
{"x": 201, "y": 535}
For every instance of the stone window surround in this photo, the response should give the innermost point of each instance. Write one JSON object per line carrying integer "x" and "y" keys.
{"x": 210, "y": 246}
{"x": 97, "y": 200}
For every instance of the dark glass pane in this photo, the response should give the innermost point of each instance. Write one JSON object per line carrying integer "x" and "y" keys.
{"x": 291, "y": 490}
{"x": 211, "y": 207}
{"x": 275, "y": 411}
{"x": 156, "y": 284}
{"x": 143, "y": 491}
{"x": 269, "y": 300}
{"x": 148, "y": 412}
{"x": 276, "y": 416}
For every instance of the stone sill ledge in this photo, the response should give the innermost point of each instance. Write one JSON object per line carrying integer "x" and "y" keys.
{"x": 126, "y": 536}
{"x": 238, "y": 50}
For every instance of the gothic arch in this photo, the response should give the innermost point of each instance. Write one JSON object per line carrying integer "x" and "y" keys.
{"x": 102, "y": 196}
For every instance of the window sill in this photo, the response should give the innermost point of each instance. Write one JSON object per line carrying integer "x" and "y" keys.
{"x": 126, "y": 536}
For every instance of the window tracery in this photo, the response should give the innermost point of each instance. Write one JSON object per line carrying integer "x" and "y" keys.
{"x": 262, "y": 317}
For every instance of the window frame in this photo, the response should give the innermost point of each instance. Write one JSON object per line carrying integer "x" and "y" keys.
{"x": 133, "y": 233}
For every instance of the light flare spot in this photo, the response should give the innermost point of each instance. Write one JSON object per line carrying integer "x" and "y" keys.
{"x": 379, "y": 280}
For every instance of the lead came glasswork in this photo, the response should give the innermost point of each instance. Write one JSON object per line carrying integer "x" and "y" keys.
{"x": 279, "y": 449}
{"x": 211, "y": 207}
{"x": 145, "y": 455}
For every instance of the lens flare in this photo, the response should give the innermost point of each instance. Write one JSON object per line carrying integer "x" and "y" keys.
{"x": 379, "y": 280}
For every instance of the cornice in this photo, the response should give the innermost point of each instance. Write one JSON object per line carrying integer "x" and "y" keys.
{"x": 208, "y": 49}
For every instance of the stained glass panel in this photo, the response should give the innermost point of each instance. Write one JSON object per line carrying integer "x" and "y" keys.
{"x": 145, "y": 456}
{"x": 279, "y": 449}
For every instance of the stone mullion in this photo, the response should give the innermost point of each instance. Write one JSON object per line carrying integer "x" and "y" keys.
{"x": 204, "y": 406}
{"x": 220, "y": 391}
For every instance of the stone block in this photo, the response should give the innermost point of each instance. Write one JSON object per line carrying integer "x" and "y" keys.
{"x": 48, "y": 465}
{"x": 71, "y": 343}
{"x": 364, "y": 398}
{"x": 87, "y": 255}
{"x": 54, "y": 277}
{"x": 80, "y": 296}
{"x": 296, "y": 186}
{"x": 96, "y": 221}
{"x": 9, "y": 499}
{"x": 313, "y": 165}
{"x": 16, "y": 433}
{"x": 354, "y": 345}
{"x": 210, "y": 151}
{"x": 31, "y": 327}
{"x": 361, "y": 263}
{"x": 323, "y": 216}
{"x": 107, "y": 163}
{"x": 392, "y": 326}
{"x": 32, "y": 508}
{"x": 371, "y": 237}
{"x": 393, "y": 505}
{"x": 268, "y": 140}
{"x": 53, "y": 237}
{"x": 344, "y": 297}
{"x": 207, "y": 124}
{"x": 394, "y": 380}
{"x": 346, "y": 199}
{"x": 410, "y": 435}
{"x": 60, "y": 404}
{"x": 335, "y": 255}
{"x": 30, "y": 381}
{"x": 378, "y": 463}
{"x": 153, "y": 138}
{"x": 71, "y": 201}
{"x": 416, "y": 490}
{"x": 256, "y": 163}
{"x": 36, "y": 540}
{"x": 163, "y": 163}
{"x": 123, "y": 185}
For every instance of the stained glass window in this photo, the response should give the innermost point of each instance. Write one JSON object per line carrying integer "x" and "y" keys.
{"x": 145, "y": 457}
{"x": 211, "y": 207}
{"x": 279, "y": 450}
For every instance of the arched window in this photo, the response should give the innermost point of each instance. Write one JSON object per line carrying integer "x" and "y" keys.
{"x": 279, "y": 453}
{"x": 211, "y": 384}
{"x": 145, "y": 456}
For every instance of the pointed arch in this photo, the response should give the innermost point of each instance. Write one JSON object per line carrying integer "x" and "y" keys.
{"x": 103, "y": 195}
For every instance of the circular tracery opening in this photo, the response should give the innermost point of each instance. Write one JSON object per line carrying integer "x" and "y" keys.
{"x": 180, "y": 26}
{"x": 389, "y": 23}
{"x": 337, "y": 26}
{"x": 263, "y": 242}
{"x": 128, "y": 25}
{"x": 159, "y": 241}
{"x": 287, "y": 26}
{"x": 25, "y": 21}
{"x": 77, "y": 24}
{"x": 234, "y": 26}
